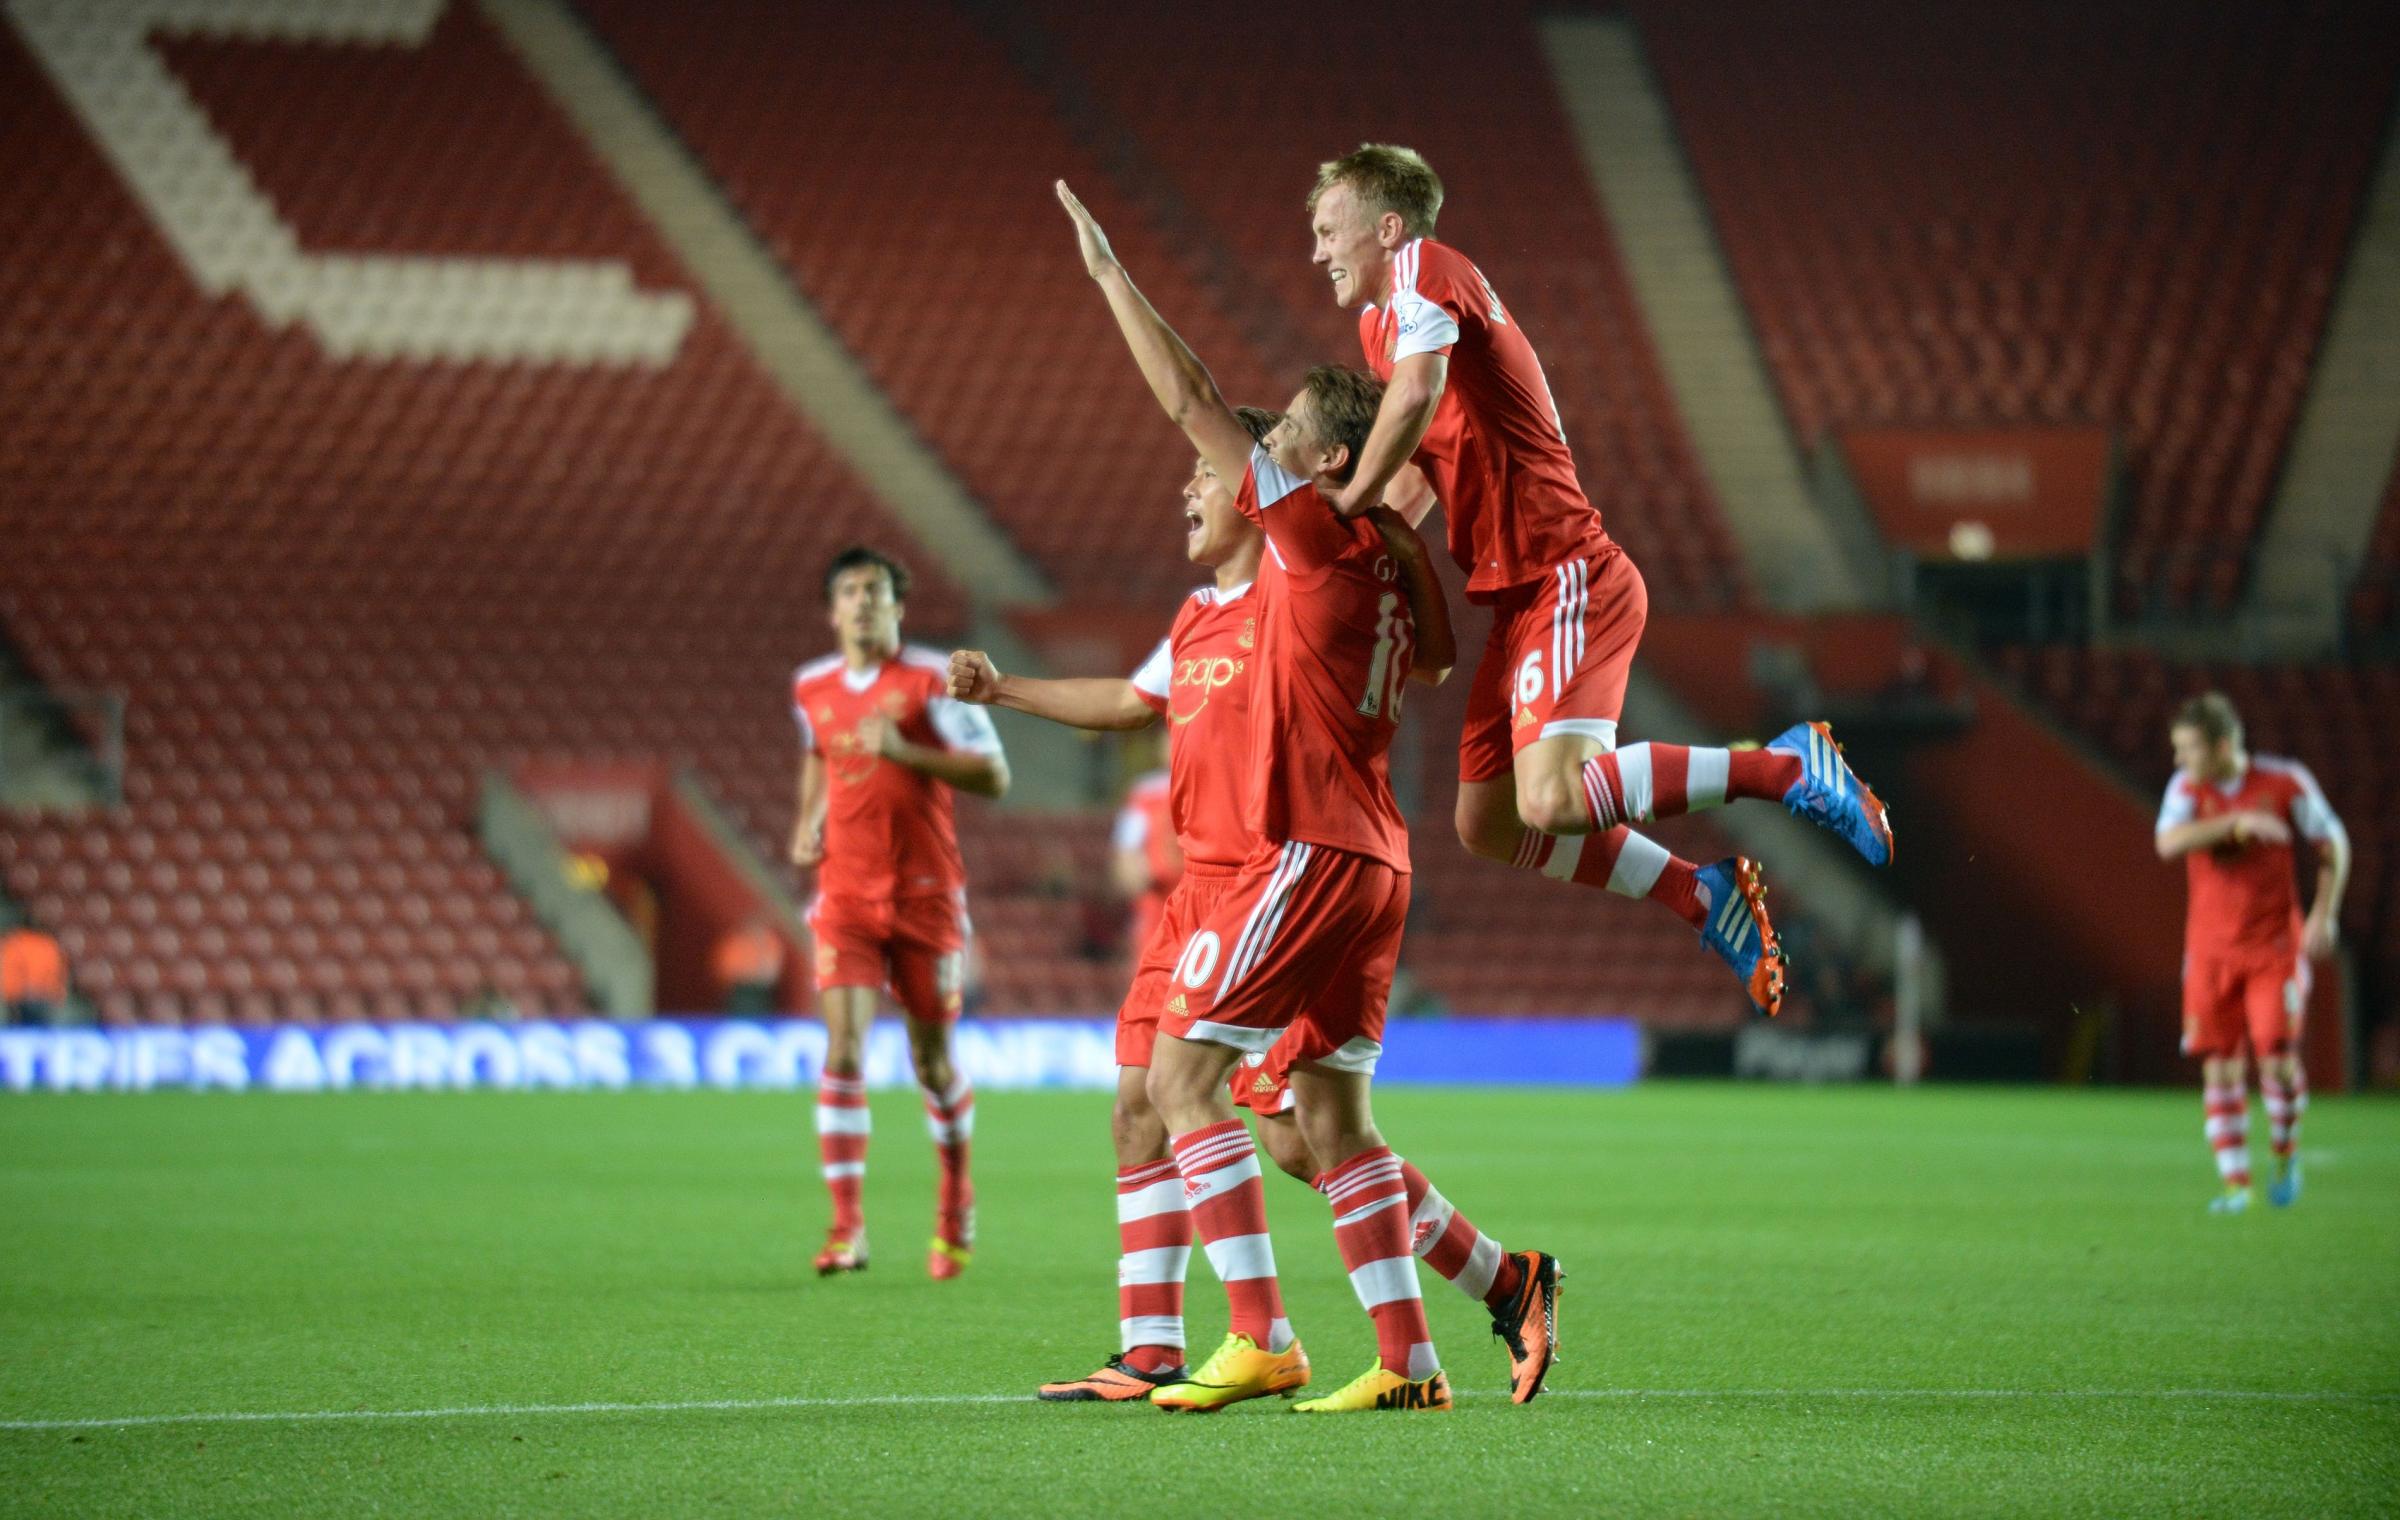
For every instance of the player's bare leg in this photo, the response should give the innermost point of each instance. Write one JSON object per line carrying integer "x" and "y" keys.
{"x": 1505, "y": 819}
{"x": 1154, "y": 1230}
{"x": 950, "y": 1120}
{"x": 2284, "y": 1086}
{"x": 1362, "y": 1181}
{"x": 844, "y": 1125}
{"x": 2228, "y": 1130}
{"x": 1281, "y": 1137}
{"x": 1219, "y": 1166}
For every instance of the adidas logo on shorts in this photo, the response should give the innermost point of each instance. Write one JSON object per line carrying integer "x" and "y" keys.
{"x": 1176, "y": 1004}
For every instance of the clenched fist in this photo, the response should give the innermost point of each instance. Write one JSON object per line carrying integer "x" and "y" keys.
{"x": 973, "y": 677}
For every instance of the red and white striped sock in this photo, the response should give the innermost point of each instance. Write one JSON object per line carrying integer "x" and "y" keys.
{"x": 1448, "y": 1242}
{"x": 950, "y": 1120}
{"x": 1644, "y": 782}
{"x": 2285, "y": 1105}
{"x": 1219, "y": 1165}
{"x": 843, "y": 1127}
{"x": 1154, "y": 1242}
{"x": 1621, "y": 861}
{"x": 2228, "y": 1131}
{"x": 1370, "y": 1224}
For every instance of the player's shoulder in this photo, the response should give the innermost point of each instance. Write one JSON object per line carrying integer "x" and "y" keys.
{"x": 813, "y": 671}
{"x": 1423, "y": 262}
{"x": 2285, "y": 771}
{"x": 919, "y": 662}
{"x": 2183, "y": 784}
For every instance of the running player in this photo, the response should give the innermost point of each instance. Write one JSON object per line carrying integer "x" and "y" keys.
{"x": 2232, "y": 816}
{"x": 1542, "y": 783}
{"x": 883, "y": 745}
{"x": 1307, "y": 935}
{"x": 1199, "y": 681}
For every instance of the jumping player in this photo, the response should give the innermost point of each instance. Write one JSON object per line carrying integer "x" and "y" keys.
{"x": 883, "y": 745}
{"x": 2232, "y": 817}
{"x": 1199, "y": 681}
{"x": 1542, "y": 783}
{"x": 1307, "y": 936}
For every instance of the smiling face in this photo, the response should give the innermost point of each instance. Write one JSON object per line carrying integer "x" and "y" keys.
{"x": 1214, "y": 528}
{"x": 864, "y": 613}
{"x": 1352, "y": 247}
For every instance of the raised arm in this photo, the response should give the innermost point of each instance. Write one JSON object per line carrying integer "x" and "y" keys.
{"x": 1437, "y": 645}
{"x": 1409, "y": 400}
{"x": 1100, "y": 704}
{"x": 1177, "y": 377}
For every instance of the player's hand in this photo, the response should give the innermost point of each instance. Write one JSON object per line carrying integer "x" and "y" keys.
{"x": 2260, "y": 828}
{"x": 1098, "y": 257}
{"x": 808, "y": 845}
{"x": 878, "y": 735}
{"x": 1346, "y": 499}
{"x": 973, "y": 677}
{"x": 2319, "y": 935}
{"x": 1399, "y": 539}
{"x": 2191, "y": 1037}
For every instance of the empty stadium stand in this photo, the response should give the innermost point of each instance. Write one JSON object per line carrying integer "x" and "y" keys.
{"x": 2046, "y": 213}
{"x": 333, "y": 589}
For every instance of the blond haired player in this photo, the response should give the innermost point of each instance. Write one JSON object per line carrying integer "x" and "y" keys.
{"x": 1467, "y": 419}
{"x": 2231, "y": 816}
{"x": 883, "y": 745}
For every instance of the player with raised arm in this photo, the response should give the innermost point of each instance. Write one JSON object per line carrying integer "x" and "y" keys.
{"x": 1306, "y": 939}
{"x": 1467, "y": 418}
{"x": 883, "y": 744}
{"x": 2232, "y": 817}
{"x": 1198, "y": 680}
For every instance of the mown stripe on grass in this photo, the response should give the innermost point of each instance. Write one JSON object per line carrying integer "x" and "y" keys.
{"x": 938, "y": 1400}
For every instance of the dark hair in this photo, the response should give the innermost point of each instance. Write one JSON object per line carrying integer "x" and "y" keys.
{"x": 1343, "y": 402}
{"x": 2212, "y": 714}
{"x": 1257, "y": 421}
{"x": 1385, "y": 177}
{"x": 858, "y": 555}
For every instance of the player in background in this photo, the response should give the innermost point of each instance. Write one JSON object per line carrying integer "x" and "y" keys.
{"x": 1198, "y": 680}
{"x": 2232, "y": 816}
{"x": 1307, "y": 937}
{"x": 1543, "y": 786}
{"x": 882, "y": 747}
{"x": 1144, "y": 859}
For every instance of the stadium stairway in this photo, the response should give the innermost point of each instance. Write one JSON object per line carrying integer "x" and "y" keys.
{"x": 1790, "y": 550}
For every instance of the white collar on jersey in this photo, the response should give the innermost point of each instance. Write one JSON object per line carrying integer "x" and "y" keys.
{"x": 2240, "y": 776}
{"x": 1220, "y": 598}
{"x": 860, "y": 680}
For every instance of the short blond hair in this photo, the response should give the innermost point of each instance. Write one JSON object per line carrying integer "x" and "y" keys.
{"x": 2212, "y": 716}
{"x": 1385, "y": 177}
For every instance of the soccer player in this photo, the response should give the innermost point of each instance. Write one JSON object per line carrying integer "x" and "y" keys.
{"x": 1145, "y": 860}
{"x": 2232, "y": 816}
{"x": 1199, "y": 681}
{"x": 1307, "y": 936}
{"x": 1467, "y": 419}
{"x": 883, "y": 745}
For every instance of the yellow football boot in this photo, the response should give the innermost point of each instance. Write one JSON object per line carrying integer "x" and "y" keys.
{"x": 1241, "y": 1369}
{"x": 1377, "y": 1388}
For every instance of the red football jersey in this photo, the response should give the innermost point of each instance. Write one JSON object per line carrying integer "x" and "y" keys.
{"x": 888, "y": 829}
{"x": 2244, "y": 900}
{"x": 1496, "y": 453}
{"x": 1199, "y": 677}
{"x": 1335, "y": 642}
{"x": 1146, "y": 823}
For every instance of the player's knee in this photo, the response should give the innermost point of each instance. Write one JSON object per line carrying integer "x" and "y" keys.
{"x": 1136, "y": 1129}
{"x": 1287, "y": 1146}
{"x": 1551, "y": 804}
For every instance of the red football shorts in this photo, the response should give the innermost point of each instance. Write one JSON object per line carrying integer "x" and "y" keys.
{"x": 1556, "y": 662}
{"x": 2227, "y": 999}
{"x": 917, "y": 946}
{"x": 1306, "y": 940}
{"x": 1186, "y": 908}
{"x": 1263, "y": 1083}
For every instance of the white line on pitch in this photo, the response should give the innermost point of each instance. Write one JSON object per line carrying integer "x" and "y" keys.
{"x": 928, "y": 1400}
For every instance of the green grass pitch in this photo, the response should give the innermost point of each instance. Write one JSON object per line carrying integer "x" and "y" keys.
{"x": 1780, "y": 1302}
